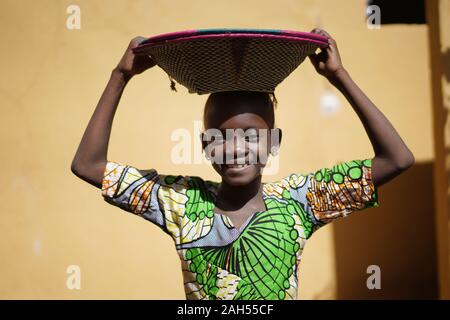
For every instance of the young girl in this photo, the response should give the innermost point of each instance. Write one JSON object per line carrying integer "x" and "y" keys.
{"x": 241, "y": 238}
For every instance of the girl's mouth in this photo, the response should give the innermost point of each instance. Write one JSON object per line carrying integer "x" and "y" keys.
{"x": 235, "y": 167}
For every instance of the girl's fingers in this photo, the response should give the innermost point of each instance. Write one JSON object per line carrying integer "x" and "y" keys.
{"x": 332, "y": 45}
{"x": 331, "y": 41}
{"x": 323, "y": 32}
{"x": 327, "y": 34}
{"x": 314, "y": 58}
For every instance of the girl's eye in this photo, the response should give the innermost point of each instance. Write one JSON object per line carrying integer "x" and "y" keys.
{"x": 216, "y": 138}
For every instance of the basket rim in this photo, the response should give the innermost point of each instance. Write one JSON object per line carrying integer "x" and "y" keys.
{"x": 191, "y": 32}
{"x": 235, "y": 36}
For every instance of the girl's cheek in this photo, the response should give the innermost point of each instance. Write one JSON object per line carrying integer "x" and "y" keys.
{"x": 262, "y": 152}
{"x": 217, "y": 154}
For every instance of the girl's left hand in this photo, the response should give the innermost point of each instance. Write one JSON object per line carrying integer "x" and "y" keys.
{"x": 131, "y": 64}
{"x": 328, "y": 61}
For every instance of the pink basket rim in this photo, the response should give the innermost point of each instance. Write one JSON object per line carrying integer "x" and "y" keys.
{"x": 322, "y": 42}
{"x": 192, "y": 32}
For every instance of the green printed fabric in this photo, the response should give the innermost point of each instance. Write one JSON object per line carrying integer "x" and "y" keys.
{"x": 260, "y": 259}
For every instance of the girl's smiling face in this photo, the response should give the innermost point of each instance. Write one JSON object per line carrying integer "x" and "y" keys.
{"x": 238, "y": 134}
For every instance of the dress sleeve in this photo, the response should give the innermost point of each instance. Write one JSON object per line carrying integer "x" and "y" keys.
{"x": 329, "y": 193}
{"x": 135, "y": 191}
{"x": 340, "y": 190}
{"x": 178, "y": 204}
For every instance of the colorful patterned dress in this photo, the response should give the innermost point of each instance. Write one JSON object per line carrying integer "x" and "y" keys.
{"x": 258, "y": 261}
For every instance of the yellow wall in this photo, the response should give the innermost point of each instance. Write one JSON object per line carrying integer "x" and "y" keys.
{"x": 440, "y": 65}
{"x": 52, "y": 78}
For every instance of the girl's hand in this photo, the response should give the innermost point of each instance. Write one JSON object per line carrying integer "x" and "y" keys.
{"x": 132, "y": 64}
{"x": 328, "y": 61}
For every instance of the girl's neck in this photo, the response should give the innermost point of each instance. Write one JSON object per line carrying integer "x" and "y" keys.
{"x": 231, "y": 198}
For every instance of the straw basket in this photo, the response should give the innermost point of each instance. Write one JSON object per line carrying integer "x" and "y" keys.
{"x": 213, "y": 60}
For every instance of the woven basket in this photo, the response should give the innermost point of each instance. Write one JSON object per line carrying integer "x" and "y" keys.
{"x": 213, "y": 60}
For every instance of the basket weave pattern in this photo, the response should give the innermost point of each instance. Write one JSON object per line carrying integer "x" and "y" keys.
{"x": 228, "y": 64}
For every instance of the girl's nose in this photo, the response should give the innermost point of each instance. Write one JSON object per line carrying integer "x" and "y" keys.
{"x": 236, "y": 148}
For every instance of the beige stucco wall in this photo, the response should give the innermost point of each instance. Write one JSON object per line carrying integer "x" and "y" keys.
{"x": 52, "y": 78}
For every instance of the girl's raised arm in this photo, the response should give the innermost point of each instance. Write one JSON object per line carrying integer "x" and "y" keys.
{"x": 91, "y": 157}
{"x": 392, "y": 156}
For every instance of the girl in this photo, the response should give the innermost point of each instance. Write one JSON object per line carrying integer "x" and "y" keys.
{"x": 241, "y": 238}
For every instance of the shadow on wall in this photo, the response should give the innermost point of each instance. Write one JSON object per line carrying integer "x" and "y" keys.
{"x": 446, "y": 64}
{"x": 446, "y": 94}
{"x": 398, "y": 236}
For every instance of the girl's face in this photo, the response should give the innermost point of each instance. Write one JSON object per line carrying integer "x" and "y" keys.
{"x": 239, "y": 147}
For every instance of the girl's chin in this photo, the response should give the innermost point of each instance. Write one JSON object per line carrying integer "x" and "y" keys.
{"x": 240, "y": 175}
{"x": 236, "y": 169}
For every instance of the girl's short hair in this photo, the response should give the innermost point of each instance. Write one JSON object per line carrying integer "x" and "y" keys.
{"x": 269, "y": 97}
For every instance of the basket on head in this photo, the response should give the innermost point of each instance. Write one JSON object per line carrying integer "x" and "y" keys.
{"x": 213, "y": 60}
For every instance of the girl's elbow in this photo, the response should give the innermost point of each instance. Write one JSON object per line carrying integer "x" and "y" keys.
{"x": 407, "y": 161}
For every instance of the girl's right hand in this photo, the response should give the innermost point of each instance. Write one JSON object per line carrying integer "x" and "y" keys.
{"x": 132, "y": 64}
